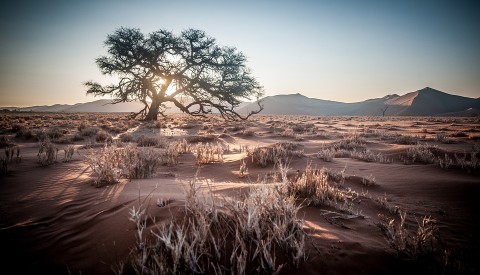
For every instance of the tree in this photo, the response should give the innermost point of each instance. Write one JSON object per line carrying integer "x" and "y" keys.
{"x": 190, "y": 70}
{"x": 384, "y": 109}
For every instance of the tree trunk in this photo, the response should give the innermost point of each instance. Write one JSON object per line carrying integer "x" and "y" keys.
{"x": 153, "y": 111}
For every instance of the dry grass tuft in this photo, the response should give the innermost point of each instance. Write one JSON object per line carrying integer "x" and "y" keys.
{"x": 417, "y": 245}
{"x": 223, "y": 236}
{"x": 420, "y": 153}
{"x": 47, "y": 153}
{"x": 208, "y": 153}
{"x": 314, "y": 187}
{"x": 113, "y": 162}
{"x": 279, "y": 152}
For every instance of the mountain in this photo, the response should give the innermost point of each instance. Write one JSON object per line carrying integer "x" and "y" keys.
{"x": 424, "y": 102}
{"x": 99, "y": 106}
{"x": 429, "y": 102}
{"x": 296, "y": 104}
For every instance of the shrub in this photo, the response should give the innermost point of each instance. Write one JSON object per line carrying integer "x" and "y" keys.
{"x": 68, "y": 153}
{"x": 24, "y": 133}
{"x": 412, "y": 246}
{"x": 274, "y": 154}
{"x": 470, "y": 161}
{"x": 369, "y": 181}
{"x": 54, "y": 133}
{"x": 407, "y": 140}
{"x": 47, "y": 153}
{"x": 11, "y": 154}
{"x": 112, "y": 163}
{"x": 147, "y": 141}
{"x": 106, "y": 164}
{"x": 313, "y": 186}
{"x": 445, "y": 162}
{"x": 369, "y": 156}
{"x": 140, "y": 163}
{"x": 126, "y": 137}
{"x": 207, "y": 153}
{"x": 326, "y": 154}
{"x": 103, "y": 136}
{"x": 199, "y": 138}
{"x": 88, "y": 131}
{"x": 350, "y": 142}
{"x": 420, "y": 153}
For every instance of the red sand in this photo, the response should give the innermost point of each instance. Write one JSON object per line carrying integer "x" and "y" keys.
{"x": 54, "y": 220}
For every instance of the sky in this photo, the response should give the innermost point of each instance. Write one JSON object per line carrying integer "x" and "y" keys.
{"x": 345, "y": 51}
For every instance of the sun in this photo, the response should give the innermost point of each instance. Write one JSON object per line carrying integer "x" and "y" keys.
{"x": 161, "y": 82}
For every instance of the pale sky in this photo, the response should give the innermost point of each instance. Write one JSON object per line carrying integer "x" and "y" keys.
{"x": 345, "y": 51}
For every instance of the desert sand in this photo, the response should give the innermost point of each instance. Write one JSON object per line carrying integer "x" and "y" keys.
{"x": 57, "y": 219}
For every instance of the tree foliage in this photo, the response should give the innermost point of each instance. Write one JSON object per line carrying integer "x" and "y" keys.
{"x": 190, "y": 70}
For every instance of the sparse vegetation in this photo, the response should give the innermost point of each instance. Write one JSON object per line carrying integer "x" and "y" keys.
{"x": 112, "y": 163}
{"x": 420, "y": 153}
{"x": 47, "y": 153}
{"x": 208, "y": 153}
{"x": 369, "y": 156}
{"x": 279, "y": 152}
{"x": 246, "y": 238}
{"x": 258, "y": 215}
{"x": 417, "y": 245}
{"x": 313, "y": 186}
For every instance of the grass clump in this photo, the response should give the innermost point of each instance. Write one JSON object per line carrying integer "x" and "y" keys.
{"x": 223, "y": 236}
{"x": 208, "y": 153}
{"x": 279, "y": 152}
{"x": 326, "y": 154}
{"x": 369, "y": 156}
{"x": 12, "y": 154}
{"x": 88, "y": 131}
{"x": 313, "y": 186}
{"x": 68, "y": 151}
{"x": 420, "y": 153}
{"x": 416, "y": 245}
{"x": 469, "y": 161}
{"x": 113, "y": 162}
{"x": 406, "y": 140}
{"x": 351, "y": 141}
{"x": 47, "y": 153}
{"x": 103, "y": 136}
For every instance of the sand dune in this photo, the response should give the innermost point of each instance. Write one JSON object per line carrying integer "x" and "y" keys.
{"x": 423, "y": 102}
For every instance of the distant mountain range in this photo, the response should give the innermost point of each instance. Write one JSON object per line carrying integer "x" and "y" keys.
{"x": 424, "y": 102}
{"x": 97, "y": 106}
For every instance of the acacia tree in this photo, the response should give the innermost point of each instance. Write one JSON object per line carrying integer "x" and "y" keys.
{"x": 190, "y": 70}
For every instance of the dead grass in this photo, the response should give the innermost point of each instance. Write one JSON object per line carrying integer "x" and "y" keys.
{"x": 420, "y": 153}
{"x": 114, "y": 162}
{"x": 279, "y": 152}
{"x": 223, "y": 236}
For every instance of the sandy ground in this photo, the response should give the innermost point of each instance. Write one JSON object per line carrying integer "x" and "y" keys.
{"x": 54, "y": 219}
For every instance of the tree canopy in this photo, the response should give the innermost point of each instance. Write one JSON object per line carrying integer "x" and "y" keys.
{"x": 190, "y": 70}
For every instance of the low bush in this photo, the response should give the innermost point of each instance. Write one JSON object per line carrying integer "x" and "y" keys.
{"x": 279, "y": 152}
